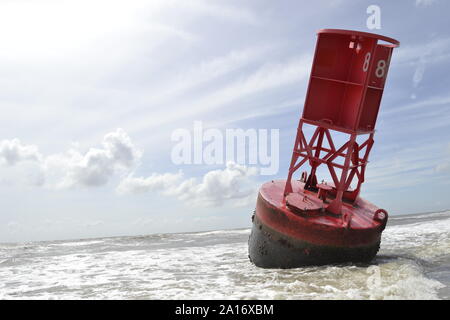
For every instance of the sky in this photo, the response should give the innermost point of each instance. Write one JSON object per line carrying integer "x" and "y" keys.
{"x": 91, "y": 93}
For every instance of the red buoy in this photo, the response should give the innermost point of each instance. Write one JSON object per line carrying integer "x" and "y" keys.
{"x": 303, "y": 222}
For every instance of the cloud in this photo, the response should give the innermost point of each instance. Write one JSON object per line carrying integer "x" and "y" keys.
{"x": 75, "y": 168}
{"x": 28, "y": 29}
{"x": 406, "y": 166}
{"x": 269, "y": 76}
{"x": 419, "y": 105}
{"x": 96, "y": 166}
{"x": 422, "y": 55}
{"x": 436, "y": 50}
{"x": 155, "y": 182}
{"x": 118, "y": 156}
{"x": 233, "y": 183}
{"x": 205, "y": 72}
{"x": 226, "y": 12}
{"x": 34, "y": 24}
{"x": 13, "y": 152}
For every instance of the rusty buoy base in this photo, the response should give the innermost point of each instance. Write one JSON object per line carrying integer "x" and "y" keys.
{"x": 286, "y": 238}
{"x": 270, "y": 249}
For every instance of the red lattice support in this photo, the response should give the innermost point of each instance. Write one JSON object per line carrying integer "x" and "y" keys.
{"x": 310, "y": 152}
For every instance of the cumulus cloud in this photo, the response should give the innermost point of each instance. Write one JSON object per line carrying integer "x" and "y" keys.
{"x": 75, "y": 168}
{"x": 13, "y": 152}
{"x": 96, "y": 166}
{"x": 118, "y": 156}
{"x": 155, "y": 182}
{"x": 216, "y": 187}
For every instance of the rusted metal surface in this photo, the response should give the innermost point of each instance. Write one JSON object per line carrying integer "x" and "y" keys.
{"x": 271, "y": 249}
{"x": 284, "y": 237}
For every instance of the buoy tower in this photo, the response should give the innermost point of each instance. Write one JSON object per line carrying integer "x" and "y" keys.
{"x": 302, "y": 221}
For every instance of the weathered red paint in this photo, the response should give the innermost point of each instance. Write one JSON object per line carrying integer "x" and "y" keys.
{"x": 315, "y": 225}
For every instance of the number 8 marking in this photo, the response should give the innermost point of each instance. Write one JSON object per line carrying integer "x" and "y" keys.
{"x": 366, "y": 62}
{"x": 380, "y": 72}
{"x": 381, "y": 69}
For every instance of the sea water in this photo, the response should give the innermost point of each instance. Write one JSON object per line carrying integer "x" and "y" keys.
{"x": 413, "y": 263}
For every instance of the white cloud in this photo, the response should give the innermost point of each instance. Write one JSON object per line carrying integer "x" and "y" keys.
{"x": 419, "y": 105}
{"x": 13, "y": 152}
{"x": 405, "y": 166}
{"x": 263, "y": 111}
{"x": 435, "y": 50}
{"x": 54, "y": 29}
{"x": 269, "y": 76}
{"x": 119, "y": 156}
{"x": 96, "y": 166}
{"x": 418, "y": 57}
{"x": 203, "y": 73}
{"x": 226, "y": 12}
{"x": 75, "y": 168}
{"x": 155, "y": 182}
{"x": 233, "y": 184}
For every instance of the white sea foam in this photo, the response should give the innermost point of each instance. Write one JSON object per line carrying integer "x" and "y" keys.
{"x": 422, "y": 216}
{"x": 197, "y": 268}
{"x": 240, "y": 231}
{"x": 77, "y": 243}
{"x": 423, "y": 239}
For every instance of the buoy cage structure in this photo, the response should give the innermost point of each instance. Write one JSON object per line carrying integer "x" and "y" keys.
{"x": 300, "y": 222}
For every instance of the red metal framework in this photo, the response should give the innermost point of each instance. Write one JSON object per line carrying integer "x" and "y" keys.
{"x": 354, "y": 164}
{"x": 344, "y": 93}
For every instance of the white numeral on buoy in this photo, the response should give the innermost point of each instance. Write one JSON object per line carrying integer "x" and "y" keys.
{"x": 381, "y": 69}
{"x": 366, "y": 62}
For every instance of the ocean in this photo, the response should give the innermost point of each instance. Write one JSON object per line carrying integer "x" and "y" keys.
{"x": 413, "y": 263}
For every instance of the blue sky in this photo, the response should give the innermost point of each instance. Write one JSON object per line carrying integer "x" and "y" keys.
{"x": 74, "y": 72}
